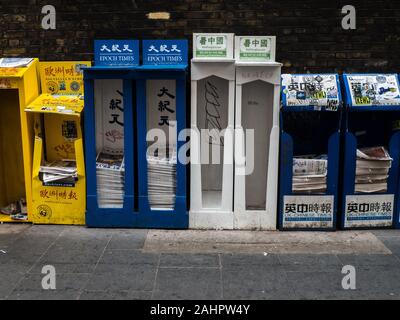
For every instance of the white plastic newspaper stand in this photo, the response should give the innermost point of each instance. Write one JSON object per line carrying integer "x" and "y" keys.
{"x": 212, "y": 124}
{"x": 257, "y": 133}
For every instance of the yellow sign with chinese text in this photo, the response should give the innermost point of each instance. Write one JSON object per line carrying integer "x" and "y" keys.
{"x": 62, "y": 77}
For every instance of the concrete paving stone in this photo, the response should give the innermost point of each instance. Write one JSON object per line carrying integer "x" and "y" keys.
{"x": 13, "y": 228}
{"x": 189, "y": 260}
{"x": 8, "y": 281}
{"x": 64, "y": 268}
{"x": 82, "y": 256}
{"x": 128, "y": 239}
{"x": 14, "y": 267}
{"x": 129, "y": 257}
{"x": 6, "y": 240}
{"x": 188, "y": 284}
{"x": 310, "y": 262}
{"x": 44, "y": 295}
{"x": 370, "y": 260}
{"x": 44, "y": 230}
{"x": 34, "y": 245}
{"x": 24, "y": 256}
{"x": 258, "y": 242}
{"x": 262, "y": 259}
{"x": 364, "y": 295}
{"x": 255, "y": 282}
{"x": 64, "y": 282}
{"x": 115, "y": 295}
{"x": 78, "y": 244}
{"x": 392, "y": 243}
{"x": 122, "y": 278}
{"x": 379, "y": 280}
{"x": 386, "y": 233}
{"x": 38, "y": 243}
{"x": 74, "y": 232}
{"x": 370, "y": 284}
{"x": 315, "y": 285}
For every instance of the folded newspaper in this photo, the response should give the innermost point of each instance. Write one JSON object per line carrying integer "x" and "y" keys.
{"x": 373, "y": 166}
{"x": 59, "y": 173}
{"x": 162, "y": 178}
{"x": 310, "y": 174}
{"x": 110, "y": 171}
{"x": 15, "y": 62}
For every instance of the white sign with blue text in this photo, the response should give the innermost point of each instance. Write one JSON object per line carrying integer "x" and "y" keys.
{"x": 165, "y": 52}
{"x": 116, "y": 53}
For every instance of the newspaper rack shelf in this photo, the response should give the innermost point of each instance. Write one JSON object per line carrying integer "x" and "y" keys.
{"x": 371, "y": 121}
{"x": 309, "y": 154}
{"x": 19, "y": 86}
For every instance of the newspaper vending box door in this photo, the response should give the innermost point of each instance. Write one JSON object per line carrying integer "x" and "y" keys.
{"x": 161, "y": 122}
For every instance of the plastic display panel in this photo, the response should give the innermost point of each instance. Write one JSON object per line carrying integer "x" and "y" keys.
{"x": 310, "y": 146}
{"x": 212, "y": 117}
{"x": 110, "y": 143}
{"x": 162, "y": 154}
{"x": 257, "y": 115}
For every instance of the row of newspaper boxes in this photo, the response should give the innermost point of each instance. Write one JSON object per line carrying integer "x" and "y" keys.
{"x": 265, "y": 150}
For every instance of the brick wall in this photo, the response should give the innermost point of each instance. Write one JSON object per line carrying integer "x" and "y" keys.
{"x": 309, "y": 33}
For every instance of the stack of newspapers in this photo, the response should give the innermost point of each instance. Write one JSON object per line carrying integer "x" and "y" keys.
{"x": 110, "y": 179}
{"x": 59, "y": 173}
{"x": 15, "y": 62}
{"x": 373, "y": 165}
{"x": 310, "y": 175}
{"x": 162, "y": 179}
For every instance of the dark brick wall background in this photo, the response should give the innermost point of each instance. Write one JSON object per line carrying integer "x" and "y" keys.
{"x": 309, "y": 33}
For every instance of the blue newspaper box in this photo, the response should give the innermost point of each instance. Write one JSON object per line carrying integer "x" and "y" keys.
{"x": 110, "y": 101}
{"x": 161, "y": 125}
{"x": 309, "y": 154}
{"x": 372, "y": 151}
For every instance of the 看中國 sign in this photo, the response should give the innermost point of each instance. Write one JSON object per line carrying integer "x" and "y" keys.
{"x": 165, "y": 52}
{"x": 213, "y": 45}
{"x": 255, "y": 48}
{"x": 123, "y": 53}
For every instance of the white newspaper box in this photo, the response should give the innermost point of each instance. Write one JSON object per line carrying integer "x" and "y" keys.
{"x": 258, "y": 79}
{"x": 212, "y": 131}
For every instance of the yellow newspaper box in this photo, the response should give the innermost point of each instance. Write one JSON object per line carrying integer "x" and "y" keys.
{"x": 19, "y": 86}
{"x": 58, "y": 177}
